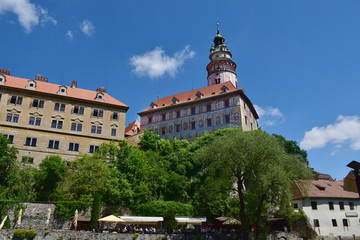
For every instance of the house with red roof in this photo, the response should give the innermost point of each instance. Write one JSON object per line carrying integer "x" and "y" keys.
{"x": 41, "y": 118}
{"x": 221, "y": 104}
{"x": 331, "y": 210}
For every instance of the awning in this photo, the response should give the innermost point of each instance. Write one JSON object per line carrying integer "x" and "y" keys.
{"x": 190, "y": 220}
{"x": 142, "y": 220}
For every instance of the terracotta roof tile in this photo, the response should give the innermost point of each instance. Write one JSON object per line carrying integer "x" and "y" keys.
{"x": 191, "y": 96}
{"x": 322, "y": 189}
{"x": 129, "y": 130}
{"x": 50, "y": 88}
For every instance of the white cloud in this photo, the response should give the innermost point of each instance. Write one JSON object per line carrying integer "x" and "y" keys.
{"x": 87, "y": 27}
{"x": 69, "y": 35}
{"x": 269, "y": 116}
{"x": 29, "y": 15}
{"x": 345, "y": 129}
{"x": 156, "y": 63}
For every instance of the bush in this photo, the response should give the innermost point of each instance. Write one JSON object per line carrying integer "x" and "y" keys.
{"x": 135, "y": 235}
{"x": 31, "y": 234}
{"x": 160, "y": 208}
{"x": 164, "y": 238}
{"x": 20, "y": 233}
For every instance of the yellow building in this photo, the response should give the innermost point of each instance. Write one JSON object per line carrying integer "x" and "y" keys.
{"x": 221, "y": 104}
{"x": 40, "y": 118}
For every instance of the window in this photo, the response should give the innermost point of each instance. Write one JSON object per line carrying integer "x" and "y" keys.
{"x": 59, "y": 107}
{"x": 208, "y": 107}
{"x": 193, "y": 125}
{"x": 163, "y": 131}
{"x": 313, "y": 205}
{"x": 96, "y": 129}
{"x": 115, "y": 116}
{"x": 27, "y": 160}
{"x": 178, "y": 128}
{"x": 78, "y": 110}
{"x": 192, "y": 111}
{"x": 38, "y": 103}
{"x": 296, "y": 206}
{"x": 226, "y": 103}
{"x": 246, "y": 120}
{"x": 345, "y": 222}
{"x": 10, "y": 138}
{"x": 35, "y": 121}
{"x": 30, "y": 141}
{"x": 163, "y": 116}
{"x": 351, "y": 205}
{"x": 53, "y": 144}
{"x": 334, "y": 223}
{"x": 227, "y": 118}
{"x": 149, "y": 120}
{"x": 16, "y": 100}
{"x": 57, "y": 124}
{"x": 331, "y": 205}
{"x": 76, "y": 127}
{"x": 93, "y": 148}
{"x": 113, "y": 132}
{"x": 185, "y": 127}
{"x": 341, "y": 204}
{"x": 209, "y": 122}
{"x": 12, "y": 117}
{"x": 316, "y": 223}
{"x": 73, "y": 147}
{"x": 98, "y": 113}
{"x": 177, "y": 114}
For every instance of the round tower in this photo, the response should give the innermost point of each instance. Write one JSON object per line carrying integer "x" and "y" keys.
{"x": 221, "y": 68}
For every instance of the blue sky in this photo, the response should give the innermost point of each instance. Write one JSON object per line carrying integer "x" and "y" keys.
{"x": 297, "y": 60}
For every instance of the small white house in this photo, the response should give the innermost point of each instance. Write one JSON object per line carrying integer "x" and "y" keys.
{"x": 331, "y": 210}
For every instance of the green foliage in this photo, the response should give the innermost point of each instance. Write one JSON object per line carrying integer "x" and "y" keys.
{"x": 51, "y": 173}
{"x": 20, "y": 233}
{"x": 170, "y": 222}
{"x": 66, "y": 209}
{"x": 160, "y": 208}
{"x": 95, "y": 212}
{"x": 31, "y": 234}
{"x": 7, "y": 224}
{"x": 135, "y": 235}
{"x": 164, "y": 238}
{"x": 292, "y": 147}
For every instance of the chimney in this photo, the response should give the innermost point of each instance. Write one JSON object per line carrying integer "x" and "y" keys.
{"x": 41, "y": 79}
{"x": 74, "y": 84}
{"x": 5, "y": 72}
{"x": 102, "y": 90}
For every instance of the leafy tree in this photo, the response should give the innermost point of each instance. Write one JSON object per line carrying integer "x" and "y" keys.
{"x": 9, "y": 165}
{"x": 255, "y": 170}
{"x": 88, "y": 175}
{"x": 51, "y": 173}
{"x": 292, "y": 147}
{"x": 95, "y": 211}
{"x": 170, "y": 222}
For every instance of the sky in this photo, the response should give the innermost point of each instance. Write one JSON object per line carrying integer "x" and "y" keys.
{"x": 298, "y": 61}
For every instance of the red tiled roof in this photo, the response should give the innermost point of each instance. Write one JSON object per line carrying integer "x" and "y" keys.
{"x": 129, "y": 130}
{"x": 190, "y": 97}
{"x": 50, "y": 88}
{"x": 322, "y": 189}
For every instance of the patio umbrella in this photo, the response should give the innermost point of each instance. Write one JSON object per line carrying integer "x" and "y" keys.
{"x": 48, "y": 216}
{"x": 232, "y": 221}
{"x": 76, "y": 218}
{"x": 19, "y": 217}
{"x": 3, "y": 222}
{"x": 110, "y": 218}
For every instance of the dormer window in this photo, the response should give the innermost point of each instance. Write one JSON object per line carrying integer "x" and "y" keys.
{"x": 175, "y": 100}
{"x": 224, "y": 89}
{"x": 62, "y": 90}
{"x": 153, "y": 105}
{"x": 31, "y": 84}
{"x": 199, "y": 95}
{"x": 2, "y": 79}
{"x": 99, "y": 96}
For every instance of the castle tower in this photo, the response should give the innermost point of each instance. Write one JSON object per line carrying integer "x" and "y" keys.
{"x": 221, "y": 68}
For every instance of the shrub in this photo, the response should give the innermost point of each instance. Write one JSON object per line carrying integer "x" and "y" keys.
{"x": 31, "y": 234}
{"x": 20, "y": 233}
{"x": 135, "y": 235}
{"x": 160, "y": 208}
{"x": 164, "y": 238}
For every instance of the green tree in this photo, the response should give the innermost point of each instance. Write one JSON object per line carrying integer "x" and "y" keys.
{"x": 170, "y": 222}
{"x": 88, "y": 175}
{"x": 255, "y": 170}
{"x": 51, "y": 174}
{"x": 95, "y": 211}
{"x": 9, "y": 165}
{"x": 292, "y": 147}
